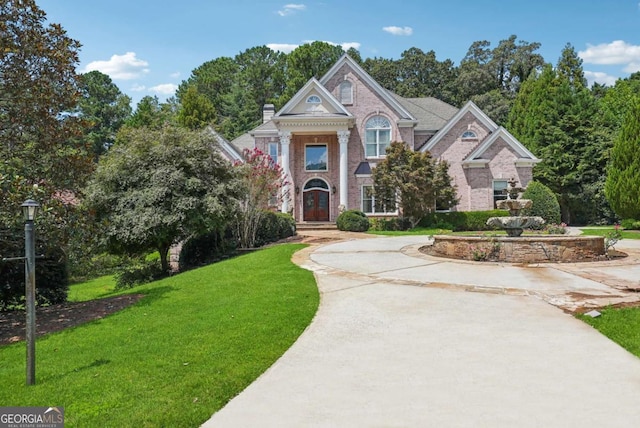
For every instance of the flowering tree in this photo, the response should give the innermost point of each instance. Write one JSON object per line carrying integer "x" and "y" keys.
{"x": 263, "y": 181}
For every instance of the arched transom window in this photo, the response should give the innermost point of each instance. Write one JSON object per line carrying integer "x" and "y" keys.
{"x": 377, "y": 136}
{"x": 469, "y": 135}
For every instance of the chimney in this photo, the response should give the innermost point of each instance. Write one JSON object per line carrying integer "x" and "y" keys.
{"x": 267, "y": 112}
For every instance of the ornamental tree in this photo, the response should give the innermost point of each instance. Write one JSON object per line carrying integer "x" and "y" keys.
{"x": 155, "y": 188}
{"x": 262, "y": 181}
{"x": 414, "y": 182}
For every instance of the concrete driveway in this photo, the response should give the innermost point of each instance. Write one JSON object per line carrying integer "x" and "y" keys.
{"x": 405, "y": 340}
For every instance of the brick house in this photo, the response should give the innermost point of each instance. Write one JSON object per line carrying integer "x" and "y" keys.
{"x": 331, "y": 134}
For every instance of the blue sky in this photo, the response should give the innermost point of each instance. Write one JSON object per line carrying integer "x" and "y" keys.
{"x": 149, "y": 46}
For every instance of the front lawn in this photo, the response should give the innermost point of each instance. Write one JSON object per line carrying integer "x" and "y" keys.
{"x": 620, "y": 325}
{"x": 190, "y": 345}
{"x": 604, "y": 231}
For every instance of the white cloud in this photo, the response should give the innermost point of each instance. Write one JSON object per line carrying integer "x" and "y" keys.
{"x": 348, "y": 45}
{"x": 282, "y": 47}
{"x": 138, "y": 88}
{"x": 290, "y": 9}
{"x": 120, "y": 67}
{"x": 175, "y": 75}
{"x": 599, "y": 77}
{"x": 164, "y": 89}
{"x": 398, "y": 31}
{"x": 616, "y": 52}
{"x": 632, "y": 67}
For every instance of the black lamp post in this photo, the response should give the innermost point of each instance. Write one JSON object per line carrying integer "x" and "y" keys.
{"x": 29, "y": 210}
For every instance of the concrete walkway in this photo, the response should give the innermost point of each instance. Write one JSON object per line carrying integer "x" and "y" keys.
{"x": 405, "y": 340}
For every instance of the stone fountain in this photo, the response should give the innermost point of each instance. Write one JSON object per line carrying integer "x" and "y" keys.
{"x": 515, "y": 223}
{"x": 515, "y": 248}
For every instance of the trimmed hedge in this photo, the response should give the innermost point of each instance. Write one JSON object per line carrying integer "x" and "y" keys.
{"x": 630, "y": 224}
{"x": 207, "y": 248}
{"x": 353, "y": 221}
{"x": 392, "y": 223}
{"x": 52, "y": 279}
{"x": 544, "y": 203}
{"x": 213, "y": 246}
{"x": 275, "y": 226}
{"x": 459, "y": 221}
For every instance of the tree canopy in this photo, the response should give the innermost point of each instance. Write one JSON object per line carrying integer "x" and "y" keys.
{"x": 43, "y": 154}
{"x": 623, "y": 173}
{"x": 412, "y": 181}
{"x": 156, "y": 187}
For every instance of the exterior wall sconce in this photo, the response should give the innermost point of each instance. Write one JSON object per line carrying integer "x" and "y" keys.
{"x": 333, "y": 190}
{"x": 297, "y": 190}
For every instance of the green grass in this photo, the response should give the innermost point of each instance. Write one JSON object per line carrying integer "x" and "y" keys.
{"x": 620, "y": 325}
{"x": 603, "y": 231}
{"x": 190, "y": 345}
{"x": 415, "y": 231}
{"x": 97, "y": 288}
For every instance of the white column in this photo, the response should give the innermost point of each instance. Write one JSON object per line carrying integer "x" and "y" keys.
{"x": 343, "y": 139}
{"x": 285, "y": 139}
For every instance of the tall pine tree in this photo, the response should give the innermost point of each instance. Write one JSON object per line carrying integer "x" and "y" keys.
{"x": 623, "y": 173}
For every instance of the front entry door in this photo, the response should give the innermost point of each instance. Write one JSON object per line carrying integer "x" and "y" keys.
{"x": 316, "y": 205}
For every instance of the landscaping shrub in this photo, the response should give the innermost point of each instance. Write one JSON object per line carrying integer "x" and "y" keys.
{"x": 393, "y": 223}
{"x": 206, "y": 248}
{"x": 353, "y": 221}
{"x": 459, "y": 221}
{"x": 275, "y": 226}
{"x": 630, "y": 224}
{"x": 544, "y": 203}
{"x": 138, "y": 274}
{"x": 52, "y": 279}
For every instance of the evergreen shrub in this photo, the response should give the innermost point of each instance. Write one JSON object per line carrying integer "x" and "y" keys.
{"x": 353, "y": 221}
{"x": 544, "y": 203}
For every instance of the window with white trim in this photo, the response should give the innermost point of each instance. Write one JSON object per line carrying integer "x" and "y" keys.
{"x": 314, "y": 99}
{"x": 469, "y": 135}
{"x": 370, "y": 205}
{"x": 377, "y": 136}
{"x": 346, "y": 92}
{"x": 316, "y": 157}
{"x": 273, "y": 152}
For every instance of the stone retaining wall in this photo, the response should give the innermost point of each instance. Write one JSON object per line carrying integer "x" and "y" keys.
{"x": 524, "y": 249}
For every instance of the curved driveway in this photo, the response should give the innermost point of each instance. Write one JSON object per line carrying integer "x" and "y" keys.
{"x": 406, "y": 340}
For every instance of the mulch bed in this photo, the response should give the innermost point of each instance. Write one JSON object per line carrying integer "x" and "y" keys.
{"x": 54, "y": 318}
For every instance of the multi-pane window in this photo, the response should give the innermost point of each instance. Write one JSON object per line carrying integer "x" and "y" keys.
{"x": 372, "y": 206}
{"x": 377, "y": 136}
{"x": 469, "y": 135}
{"x": 346, "y": 92}
{"x": 315, "y": 157}
{"x": 499, "y": 191}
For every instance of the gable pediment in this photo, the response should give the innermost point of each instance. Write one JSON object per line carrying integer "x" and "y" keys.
{"x": 312, "y": 101}
{"x": 479, "y": 156}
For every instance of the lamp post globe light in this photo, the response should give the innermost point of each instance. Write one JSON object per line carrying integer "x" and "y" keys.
{"x": 29, "y": 210}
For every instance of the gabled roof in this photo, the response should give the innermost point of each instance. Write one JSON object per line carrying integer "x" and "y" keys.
{"x": 313, "y": 85}
{"x": 469, "y": 107}
{"x": 525, "y": 155}
{"x": 364, "y": 76}
{"x": 231, "y": 152}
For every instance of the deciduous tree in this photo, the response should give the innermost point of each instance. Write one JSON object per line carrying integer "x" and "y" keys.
{"x": 262, "y": 181}
{"x": 412, "y": 181}
{"x": 155, "y": 188}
